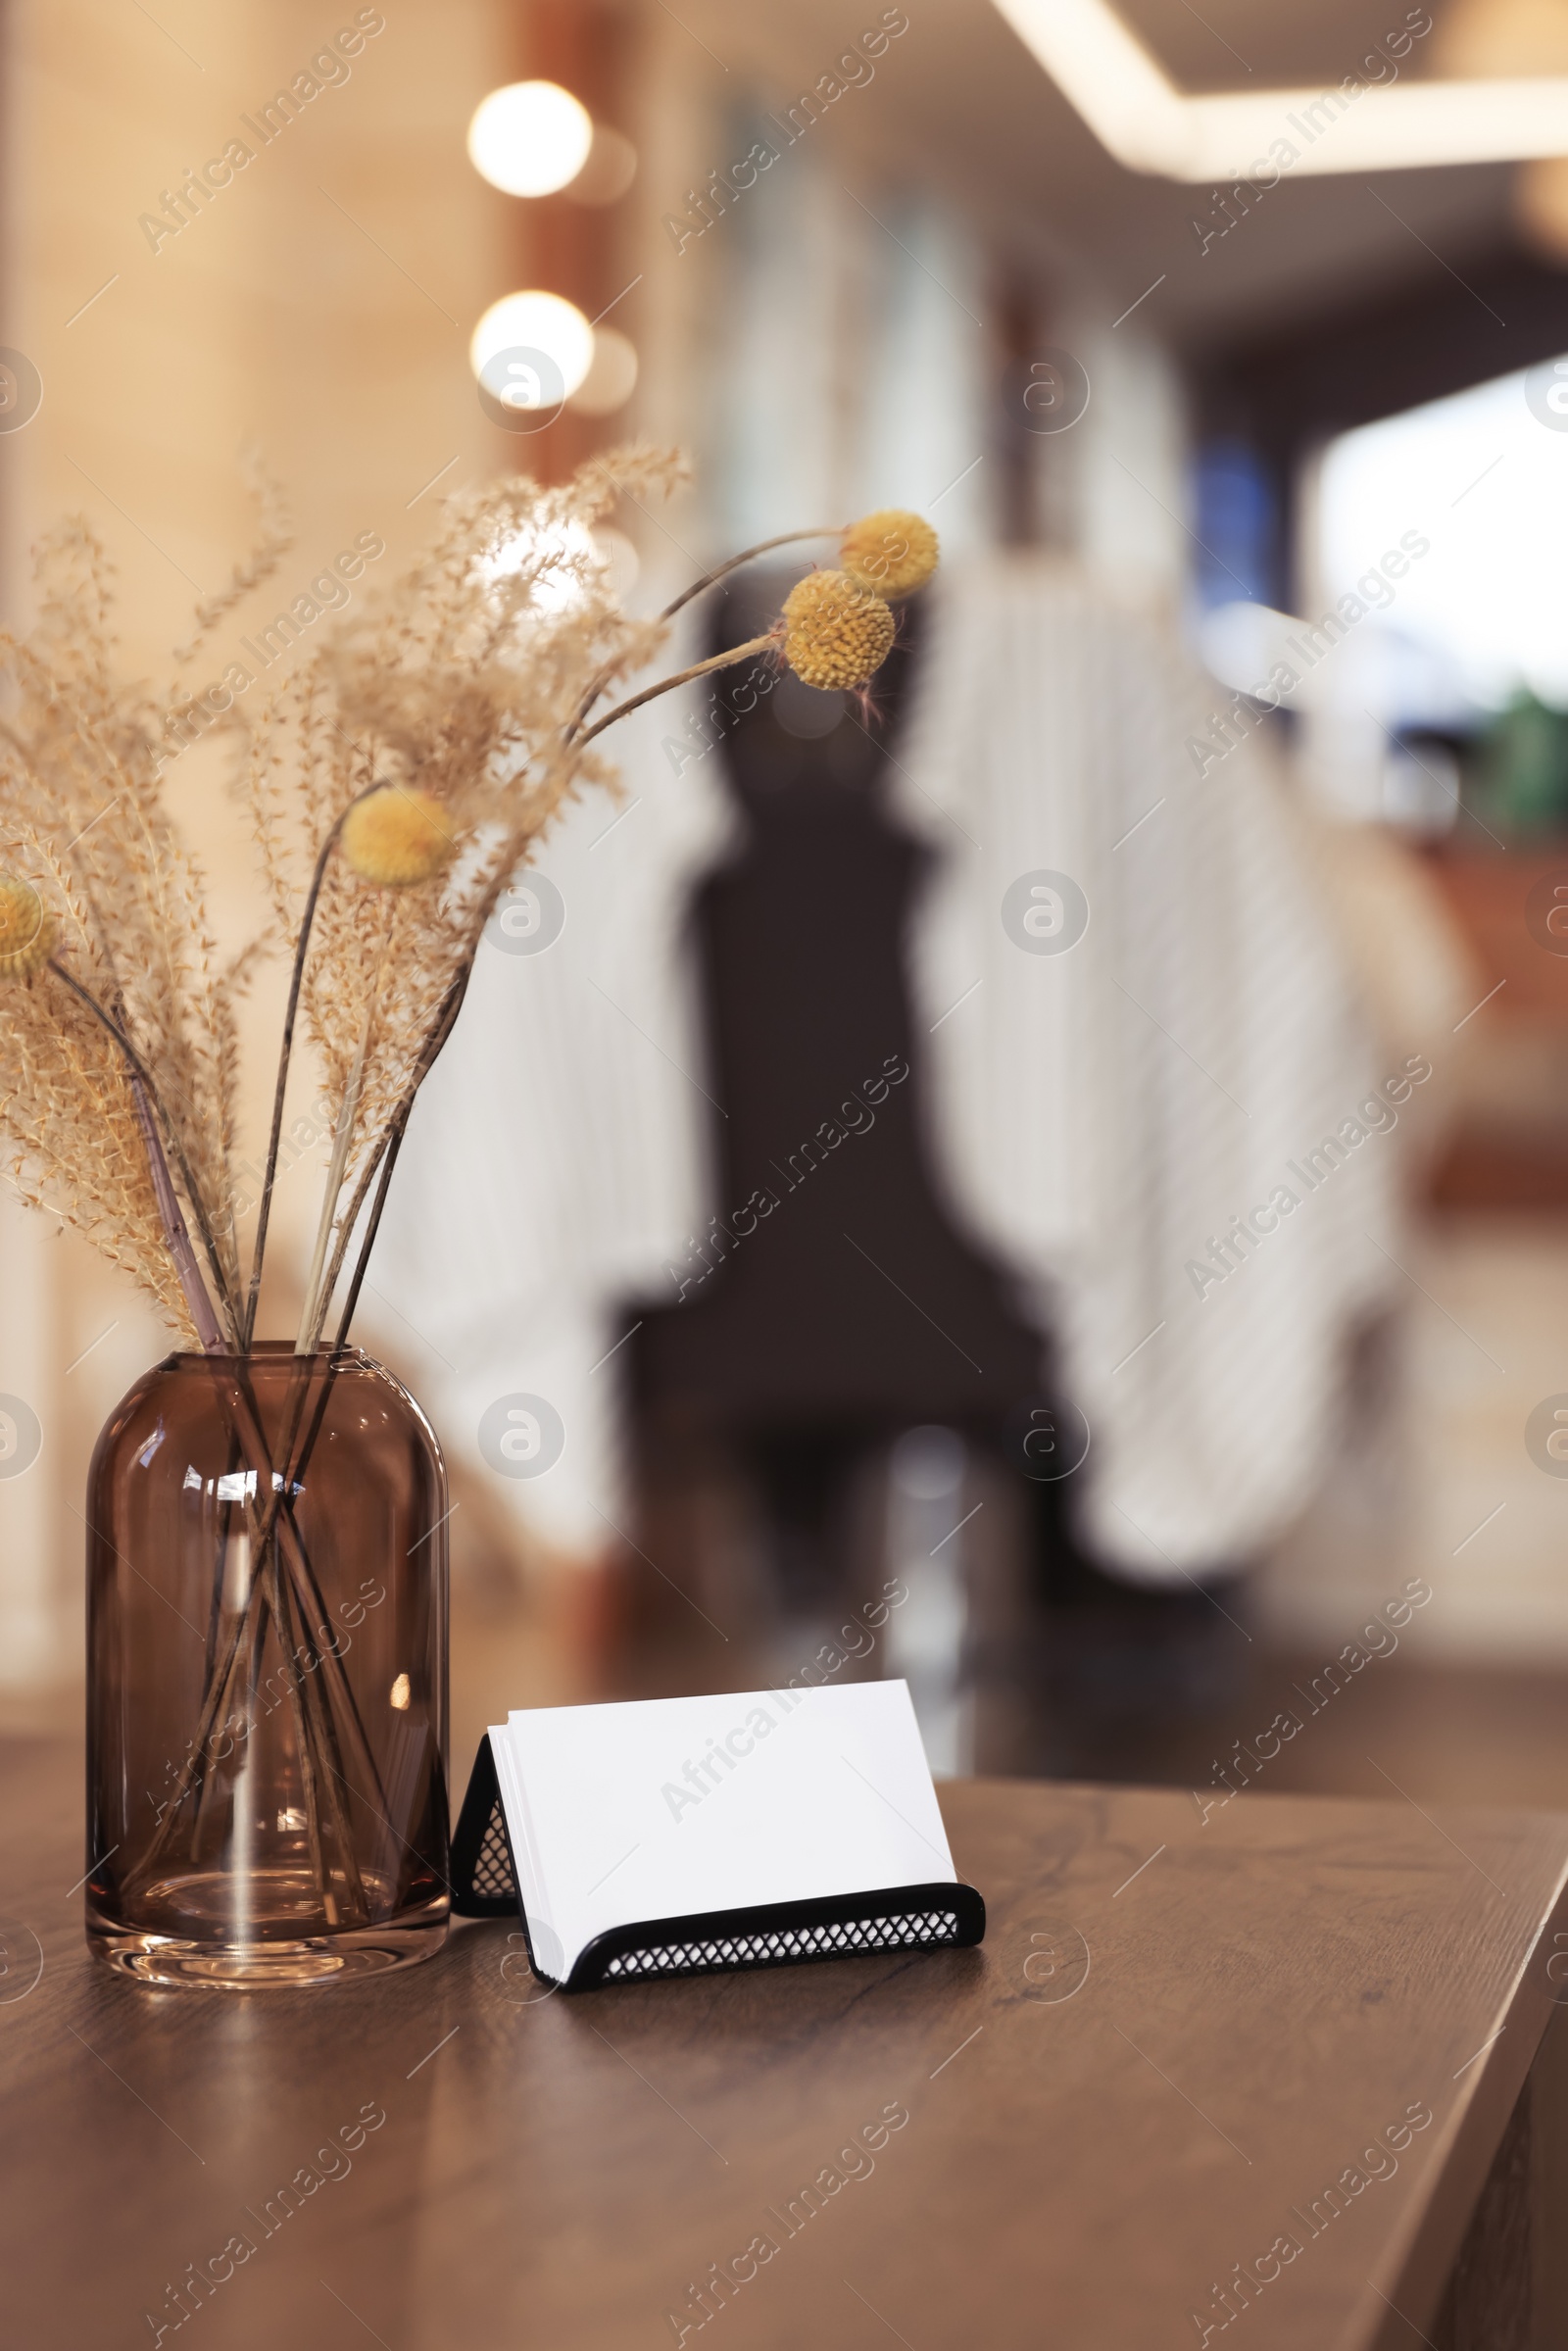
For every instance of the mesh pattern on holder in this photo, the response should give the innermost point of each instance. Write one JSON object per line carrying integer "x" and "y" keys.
{"x": 785, "y": 1943}
{"x": 492, "y": 1871}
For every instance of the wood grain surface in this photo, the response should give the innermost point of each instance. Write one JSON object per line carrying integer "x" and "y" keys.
{"x": 1177, "y": 2037}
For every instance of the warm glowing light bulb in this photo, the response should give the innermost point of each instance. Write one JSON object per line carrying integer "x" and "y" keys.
{"x": 535, "y": 325}
{"x": 529, "y": 138}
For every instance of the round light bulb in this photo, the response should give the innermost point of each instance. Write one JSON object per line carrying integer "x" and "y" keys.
{"x": 529, "y": 138}
{"x": 539, "y": 323}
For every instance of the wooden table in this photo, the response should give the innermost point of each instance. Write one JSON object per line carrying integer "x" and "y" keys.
{"x": 1174, "y": 2052}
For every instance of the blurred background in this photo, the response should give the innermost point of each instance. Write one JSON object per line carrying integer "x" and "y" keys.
{"x": 1058, "y": 1187}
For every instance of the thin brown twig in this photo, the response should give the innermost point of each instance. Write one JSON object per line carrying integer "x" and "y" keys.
{"x": 140, "y": 1069}
{"x": 718, "y": 660}
{"x": 176, "y": 1239}
{"x": 436, "y": 1036}
{"x": 285, "y": 1053}
{"x": 275, "y": 1533}
{"x": 361, "y": 1263}
{"x": 389, "y": 1160}
{"x": 748, "y": 555}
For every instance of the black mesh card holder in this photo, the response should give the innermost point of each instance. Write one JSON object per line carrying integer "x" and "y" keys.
{"x": 897, "y": 1918}
{"x": 483, "y": 1883}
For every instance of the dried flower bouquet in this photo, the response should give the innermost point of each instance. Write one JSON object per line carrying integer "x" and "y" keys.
{"x": 396, "y": 784}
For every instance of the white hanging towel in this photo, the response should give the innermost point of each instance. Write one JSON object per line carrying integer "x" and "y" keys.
{"x": 1106, "y": 1111}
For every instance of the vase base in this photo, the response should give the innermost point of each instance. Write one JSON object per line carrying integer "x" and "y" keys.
{"x": 177, "y": 1962}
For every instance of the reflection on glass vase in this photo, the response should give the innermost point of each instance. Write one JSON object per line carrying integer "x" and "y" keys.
{"x": 266, "y": 1674}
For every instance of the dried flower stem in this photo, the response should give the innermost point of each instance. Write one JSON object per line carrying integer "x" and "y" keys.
{"x": 310, "y": 1703}
{"x": 389, "y": 1160}
{"x": 284, "y": 1057}
{"x": 175, "y": 1236}
{"x": 718, "y": 660}
{"x": 439, "y": 1031}
{"x": 748, "y": 555}
{"x": 140, "y": 1072}
{"x": 276, "y": 1598}
{"x": 313, "y": 1310}
{"x": 361, "y": 1263}
{"x": 318, "y": 1298}
{"x": 276, "y": 1544}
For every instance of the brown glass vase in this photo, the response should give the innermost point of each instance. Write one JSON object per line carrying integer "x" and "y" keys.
{"x": 266, "y": 1674}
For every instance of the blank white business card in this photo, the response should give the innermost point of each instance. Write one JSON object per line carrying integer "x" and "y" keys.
{"x": 659, "y": 1808}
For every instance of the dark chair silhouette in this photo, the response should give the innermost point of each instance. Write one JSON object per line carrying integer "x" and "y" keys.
{"x": 835, "y": 1299}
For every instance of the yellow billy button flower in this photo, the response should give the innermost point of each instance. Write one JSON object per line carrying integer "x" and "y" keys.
{"x": 892, "y": 553}
{"x": 836, "y": 634}
{"x": 397, "y": 837}
{"x": 26, "y": 932}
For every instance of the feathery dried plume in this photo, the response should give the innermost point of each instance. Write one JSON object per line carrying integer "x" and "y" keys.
{"x": 275, "y": 539}
{"x": 83, "y": 824}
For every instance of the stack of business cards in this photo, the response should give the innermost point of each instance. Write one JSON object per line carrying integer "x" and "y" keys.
{"x": 674, "y": 1836}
